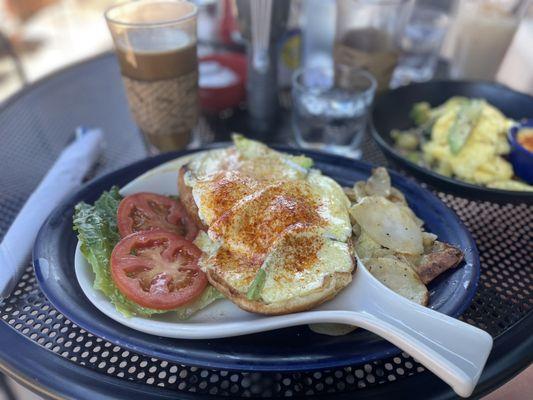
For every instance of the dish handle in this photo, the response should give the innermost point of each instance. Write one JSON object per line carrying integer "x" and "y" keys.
{"x": 453, "y": 350}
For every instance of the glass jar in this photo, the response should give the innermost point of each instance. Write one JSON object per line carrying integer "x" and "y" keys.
{"x": 367, "y": 35}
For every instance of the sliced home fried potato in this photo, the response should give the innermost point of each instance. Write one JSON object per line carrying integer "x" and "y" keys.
{"x": 380, "y": 210}
{"x": 437, "y": 258}
{"x": 356, "y": 231}
{"x": 359, "y": 191}
{"x": 366, "y": 247}
{"x": 389, "y": 224}
{"x": 379, "y": 183}
{"x": 332, "y": 329}
{"x": 350, "y": 193}
{"x": 428, "y": 239}
{"x": 399, "y": 277}
{"x": 411, "y": 213}
{"x": 396, "y": 196}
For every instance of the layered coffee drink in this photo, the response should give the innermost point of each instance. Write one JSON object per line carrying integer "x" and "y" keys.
{"x": 161, "y": 80}
{"x": 159, "y": 67}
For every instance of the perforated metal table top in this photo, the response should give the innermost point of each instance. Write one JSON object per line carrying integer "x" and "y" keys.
{"x": 53, "y": 356}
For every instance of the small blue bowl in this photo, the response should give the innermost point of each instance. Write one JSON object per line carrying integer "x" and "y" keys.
{"x": 520, "y": 157}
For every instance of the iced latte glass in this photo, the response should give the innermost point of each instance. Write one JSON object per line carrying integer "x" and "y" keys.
{"x": 155, "y": 42}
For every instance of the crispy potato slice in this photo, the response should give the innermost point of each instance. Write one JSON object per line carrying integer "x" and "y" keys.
{"x": 439, "y": 258}
{"x": 379, "y": 183}
{"x": 367, "y": 248}
{"x": 332, "y": 329}
{"x": 392, "y": 225}
{"x": 405, "y": 273}
{"x": 399, "y": 277}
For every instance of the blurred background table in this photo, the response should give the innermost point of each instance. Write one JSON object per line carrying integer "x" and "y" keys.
{"x": 56, "y": 33}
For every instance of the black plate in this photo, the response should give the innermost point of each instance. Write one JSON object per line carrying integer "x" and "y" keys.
{"x": 391, "y": 111}
{"x": 290, "y": 349}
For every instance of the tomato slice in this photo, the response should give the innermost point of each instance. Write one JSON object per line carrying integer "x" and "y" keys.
{"x": 147, "y": 211}
{"x": 157, "y": 269}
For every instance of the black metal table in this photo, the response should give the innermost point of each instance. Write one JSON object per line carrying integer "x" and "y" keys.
{"x": 49, "y": 354}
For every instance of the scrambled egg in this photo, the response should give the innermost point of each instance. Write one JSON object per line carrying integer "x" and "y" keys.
{"x": 480, "y": 160}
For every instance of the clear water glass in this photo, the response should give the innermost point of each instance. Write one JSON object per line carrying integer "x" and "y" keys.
{"x": 420, "y": 44}
{"x": 330, "y": 108}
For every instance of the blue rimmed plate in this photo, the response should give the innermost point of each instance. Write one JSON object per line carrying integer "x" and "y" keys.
{"x": 290, "y": 349}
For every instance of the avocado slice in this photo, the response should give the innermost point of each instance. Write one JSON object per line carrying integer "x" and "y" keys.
{"x": 465, "y": 120}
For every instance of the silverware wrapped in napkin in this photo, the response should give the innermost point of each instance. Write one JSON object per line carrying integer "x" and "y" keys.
{"x": 67, "y": 173}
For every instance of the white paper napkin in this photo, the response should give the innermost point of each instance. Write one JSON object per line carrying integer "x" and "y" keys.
{"x": 65, "y": 175}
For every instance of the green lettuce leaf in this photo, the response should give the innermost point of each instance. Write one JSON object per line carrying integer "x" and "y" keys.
{"x": 209, "y": 295}
{"x": 96, "y": 227}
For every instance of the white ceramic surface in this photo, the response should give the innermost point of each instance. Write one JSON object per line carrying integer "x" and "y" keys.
{"x": 453, "y": 350}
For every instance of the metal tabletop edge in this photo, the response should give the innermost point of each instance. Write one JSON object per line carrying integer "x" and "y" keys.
{"x": 52, "y": 376}
{"x": 48, "y": 77}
